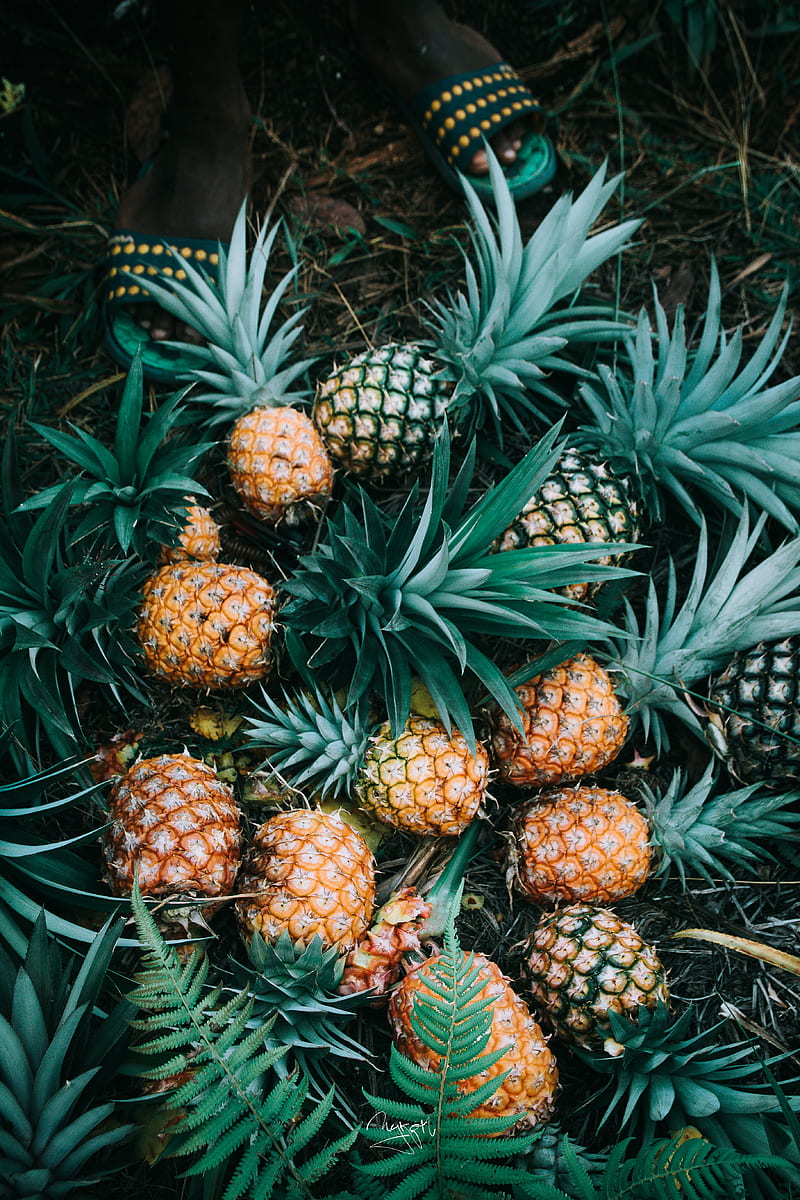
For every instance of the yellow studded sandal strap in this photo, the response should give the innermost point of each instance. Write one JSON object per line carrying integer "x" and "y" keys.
{"x": 132, "y": 257}
{"x": 459, "y": 112}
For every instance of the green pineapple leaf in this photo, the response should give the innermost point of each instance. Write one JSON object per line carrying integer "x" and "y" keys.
{"x": 136, "y": 495}
{"x": 35, "y": 866}
{"x": 729, "y": 606}
{"x": 242, "y": 362}
{"x": 380, "y": 600}
{"x": 503, "y": 337}
{"x": 431, "y": 1141}
{"x": 235, "y": 1114}
{"x": 56, "y": 1062}
{"x": 65, "y": 618}
{"x": 662, "y": 1074}
{"x": 695, "y": 424}
{"x": 704, "y": 829}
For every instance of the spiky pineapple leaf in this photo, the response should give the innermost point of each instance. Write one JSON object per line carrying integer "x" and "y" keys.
{"x": 511, "y": 329}
{"x": 433, "y": 1142}
{"x": 136, "y": 494}
{"x": 381, "y": 600}
{"x": 703, "y": 828}
{"x": 695, "y": 424}
{"x": 234, "y": 1112}
{"x": 65, "y": 619}
{"x": 243, "y": 361}
{"x": 731, "y": 606}
{"x": 56, "y": 1059}
{"x": 665, "y": 1073}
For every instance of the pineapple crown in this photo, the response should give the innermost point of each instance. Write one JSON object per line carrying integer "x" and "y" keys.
{"x": 663, "y": 1072}
{"x": 730, "y": 609}
{"x": 56, "y": 1061}
{"x": 138, "y": 492}
{"x": 697, "y": 421}
{"x": 243, "y": 363}
{"x": 698, "y": 827}
{"x": 381, "y": 600}
{"x": 294, "y": 987}
{"x": 64, "y": 618}
{"x": 310, "y": 738}
{"x": 503, "y": 337}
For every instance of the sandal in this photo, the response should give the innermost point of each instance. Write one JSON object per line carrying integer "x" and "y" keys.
{"x": 453, "y": 117}
{"x": 130, "y": 259}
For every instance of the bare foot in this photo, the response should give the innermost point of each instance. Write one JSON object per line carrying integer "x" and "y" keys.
{"x": 414, "y": 44}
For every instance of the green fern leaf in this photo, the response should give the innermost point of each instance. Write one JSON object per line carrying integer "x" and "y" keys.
{"x": 434, "y": 1144}
{"x": 235, "y": 1113}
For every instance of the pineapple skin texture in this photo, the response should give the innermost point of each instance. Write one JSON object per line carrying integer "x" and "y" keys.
{"x": 207, "y": 625}
{"x": 573, "y": 721}
{"x": 425, "y": 781}
{"x": 580, "y": 844}
{"x": 278, "y": 463}
{"x": 312, "y": 874}
{"x": 581, "y": 502}
{"x": 199, "y": 539}
{"x": 759, "y": 692}
{"x": 380, "y": 414}
{"x": 176, "y": 824}
{"x": 528, "y": 1093}
{"x": 583, "y": 962}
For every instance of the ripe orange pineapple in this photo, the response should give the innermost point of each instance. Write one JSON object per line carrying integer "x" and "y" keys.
{"x": 579, "y": 844}
{"x": 529, "y": 1089}
{"x": 199, "y": 538}
{"x": 279, "y": 464}
{"x": 207, "y": 625}
{"x": 176, "y": 825}
{"x": 573, "y": 721}
{"x": 583, "y": 962}
{"x": 311, "y": 873}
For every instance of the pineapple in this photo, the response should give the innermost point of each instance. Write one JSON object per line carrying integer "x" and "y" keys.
{"x": 579, "y": 843}
{"x": 487, "y": 351}
{"x": 206, "y": 624}
{"x": 381, "y": 600}
{"x": 595, "y": 844}
{"x": 581, "y": 501}
{"x": 573, "y": 725}
{"x": 279, "y": 465}
{"x": 198, "y": 539}
{"x": 755, "y": 705}
{"x": 175, "y": 826}
{"x": 528, "y": 1090}
{"x": 690, "y": 424}
{"x": 582, "y": 963}
{"x": 308, "y": 873}
{"x": 424, "y": 781}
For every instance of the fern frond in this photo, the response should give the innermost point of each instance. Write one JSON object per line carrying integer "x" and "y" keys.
{"x": 437, "y": 1148}
{"x": 682, "y": 1167}
{"x": 234, "y": 1112}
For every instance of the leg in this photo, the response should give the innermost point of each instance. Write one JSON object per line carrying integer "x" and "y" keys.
{"x": 202, "y": 172}
{"x": 413, "y": 44}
